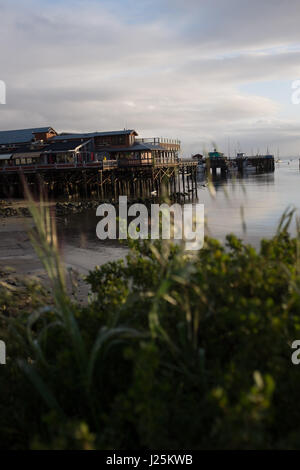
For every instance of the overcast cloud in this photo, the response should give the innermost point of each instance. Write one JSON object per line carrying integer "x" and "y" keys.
{"x": 202, "y": 71}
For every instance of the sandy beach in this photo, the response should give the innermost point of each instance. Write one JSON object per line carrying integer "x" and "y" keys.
{"x": 18, "y": 258}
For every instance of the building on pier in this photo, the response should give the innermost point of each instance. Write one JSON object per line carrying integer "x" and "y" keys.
{"x": 215, "y": 154}
{"x": 44, "y": 146}
{"x": 99, "y": 165}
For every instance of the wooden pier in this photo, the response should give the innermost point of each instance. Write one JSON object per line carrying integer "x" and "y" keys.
{"x": 105, "y": 180}
{"x": 212, "y": 165}
{"x": 104, "y": 165}
{"x": 259, "y": 163}
{"x": 98, "y": 165}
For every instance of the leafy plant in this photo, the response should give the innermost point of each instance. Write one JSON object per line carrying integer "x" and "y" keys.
{"x": 173, "y": 352}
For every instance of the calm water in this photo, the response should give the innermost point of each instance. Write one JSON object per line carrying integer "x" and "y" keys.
{"x": 264, "y": 197}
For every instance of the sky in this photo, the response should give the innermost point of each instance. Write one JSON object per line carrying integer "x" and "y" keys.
{"x": 217, "y": 72}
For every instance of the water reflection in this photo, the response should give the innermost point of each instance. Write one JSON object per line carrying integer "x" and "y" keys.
{"x": 220, "y": 180}
{"x": 263, "y": 197}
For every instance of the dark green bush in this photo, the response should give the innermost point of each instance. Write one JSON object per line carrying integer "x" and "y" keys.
{"x": 172, "y": 352}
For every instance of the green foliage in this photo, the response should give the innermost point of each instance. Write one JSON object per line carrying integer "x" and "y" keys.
{"x": 173, "y": 351}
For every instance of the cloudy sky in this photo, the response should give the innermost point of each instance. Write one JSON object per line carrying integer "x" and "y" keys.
{"x": 201, "y": 71}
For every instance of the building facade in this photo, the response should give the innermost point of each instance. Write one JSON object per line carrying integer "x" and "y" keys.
{"x": 45, "y": 147}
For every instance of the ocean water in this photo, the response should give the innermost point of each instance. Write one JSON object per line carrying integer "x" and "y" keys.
{"x": 261, "y": 198}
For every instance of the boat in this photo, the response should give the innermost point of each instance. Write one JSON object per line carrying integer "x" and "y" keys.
{"x": 278, "y": 159}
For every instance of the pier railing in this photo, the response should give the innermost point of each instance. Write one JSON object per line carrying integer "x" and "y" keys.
{"x": 158, "y": 140}
{"x": 167, "y": 144}
{"x": 109, "y": 164}
{"x": 155, "y": 161}
{"x": 105, "y": 165}
{"x": 101, "y": 165}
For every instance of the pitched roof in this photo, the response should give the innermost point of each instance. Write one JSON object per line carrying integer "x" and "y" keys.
{"x": 47, "y": 147}
{"x": 62, "y": 146}
{"x": 88, "y": 135}
{"x": 20, "y": 136}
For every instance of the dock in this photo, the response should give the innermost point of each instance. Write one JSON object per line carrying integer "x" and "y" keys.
{"x": 241, "y": 163}
{"x": 104, "y": 180}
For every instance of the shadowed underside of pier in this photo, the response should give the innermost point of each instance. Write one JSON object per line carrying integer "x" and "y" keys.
{"x": 104, "y": 181}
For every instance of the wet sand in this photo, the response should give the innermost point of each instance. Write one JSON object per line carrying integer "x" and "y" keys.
{"x": 18, "y": 258}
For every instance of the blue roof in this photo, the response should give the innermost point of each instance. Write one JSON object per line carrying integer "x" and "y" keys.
{"x": 61, "y": 146}
{"x": 88, "y": 135}
{"x": 21, "y": 135}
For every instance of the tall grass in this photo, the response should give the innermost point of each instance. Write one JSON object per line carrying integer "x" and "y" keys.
{"x": 174, "y": 351}
{"x": 63, "y": 319}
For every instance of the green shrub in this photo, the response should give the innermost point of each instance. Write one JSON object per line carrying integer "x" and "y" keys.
{"x": 173, "y": 352}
